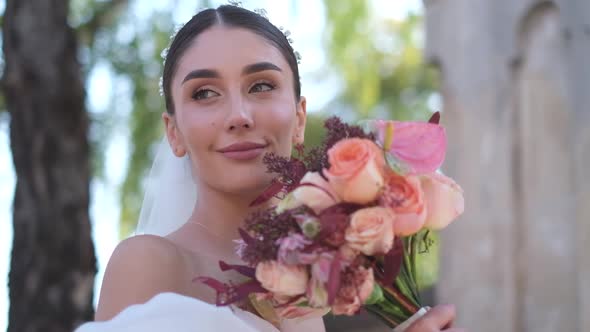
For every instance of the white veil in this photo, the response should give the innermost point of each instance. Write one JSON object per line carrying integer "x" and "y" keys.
{"x": 170, "y": 193}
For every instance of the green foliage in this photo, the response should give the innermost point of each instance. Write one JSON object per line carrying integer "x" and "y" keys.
{"x": 380, "y": 61}
{"x": 314, "y": 130}
{"x": 139, "y": 60}
{"x": 91, "y": 20}
{"x": 427, "y": 261}
{"x": 110, "y": 35}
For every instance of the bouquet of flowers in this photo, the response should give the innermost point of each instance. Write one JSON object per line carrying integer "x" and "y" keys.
{"x": 353, "y": 215}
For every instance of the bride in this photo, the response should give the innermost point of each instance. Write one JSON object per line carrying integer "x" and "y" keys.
{"x": 232, "y": 92}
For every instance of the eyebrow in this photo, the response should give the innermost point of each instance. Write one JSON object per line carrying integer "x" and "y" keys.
{"x": 248, "y": 70}
{"x": 260, "y": 66}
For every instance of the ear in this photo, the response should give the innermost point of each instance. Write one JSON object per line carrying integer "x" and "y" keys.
{"x": 174, "y": 136}
{"x": 299, "y": 134}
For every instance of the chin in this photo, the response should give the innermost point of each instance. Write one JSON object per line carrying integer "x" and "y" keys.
{"x": 247, "y": 183}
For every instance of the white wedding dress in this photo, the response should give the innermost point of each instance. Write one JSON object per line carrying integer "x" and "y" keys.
{"x": 178, "y": 313}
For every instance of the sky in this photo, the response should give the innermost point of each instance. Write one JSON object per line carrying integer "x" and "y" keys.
{"x": 305, "y": 20}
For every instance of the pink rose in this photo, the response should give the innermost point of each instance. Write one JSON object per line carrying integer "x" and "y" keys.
{"x": 444, "y": 200}
{"x": 371, "y": 230}
{"x": 287, "y": 280}
{"x": 347, "y": 301}
{"x": 315, "y": 192}
{"x": 348, "y": 254}
{"x": 419, "y": 146}
{"x": 357, "y": 288}
{"x": 405, "y": 196}
{"x": 365, "y": 281}
{"x": 356, "y": 167}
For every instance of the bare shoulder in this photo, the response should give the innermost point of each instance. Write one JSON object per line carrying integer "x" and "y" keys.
{"x": 140, "y": 267}
{"x": 150, "y": 248}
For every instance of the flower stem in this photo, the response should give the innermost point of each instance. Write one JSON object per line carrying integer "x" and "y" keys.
{"x": 400, "y": 298}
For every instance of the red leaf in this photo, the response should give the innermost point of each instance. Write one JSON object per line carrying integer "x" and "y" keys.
{"x": 249, "y": 240}
{"x": 241, "y": 269}
{"x": 435, "y": 118}
{"x": 217, "y": 285}
{"x": 270, "y": 192}
{"x": 247, "y": 288}
{"x": 333, "y": 284}
{"x": 392, "y": 262}
{"x": 341, "y": 208}
{"x": 297, "y": 169}
{"x": 228, "y": 294}
{"x": 332, "y": 228}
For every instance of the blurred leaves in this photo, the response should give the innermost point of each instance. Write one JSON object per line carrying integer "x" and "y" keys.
{"x": 380, "y": 60}
{"x": 145, "y": 119}
{"x": 113, "y": 38}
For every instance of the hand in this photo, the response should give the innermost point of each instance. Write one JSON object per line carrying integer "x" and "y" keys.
{"x": 439, "y": 318}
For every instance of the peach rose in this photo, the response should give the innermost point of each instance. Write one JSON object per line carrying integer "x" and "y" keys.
{"x": 347, "y": 303}
{"x": 405, "y": 196}
{"x": 287, "y": 280}
{"x": 444, "y": 200}
{"x": 365, "y": 281}
{"x": 354, "y": 292}
{"x": 371, "y": 230}
{"x": 356, "y": 167}
{"x": 299, "y": 312}
{"x": 315, "y": 192}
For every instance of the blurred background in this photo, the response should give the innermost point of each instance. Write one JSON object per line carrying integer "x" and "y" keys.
{"x": 80, "y": 116}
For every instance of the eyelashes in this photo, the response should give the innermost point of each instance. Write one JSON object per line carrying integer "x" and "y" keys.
{"x": 202, "y": 94}
{"x": 262, "y": 87}
{"x": 257, "y": 87}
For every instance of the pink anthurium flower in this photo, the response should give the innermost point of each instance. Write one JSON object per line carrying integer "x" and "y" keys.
{"x": 419, "y": 146}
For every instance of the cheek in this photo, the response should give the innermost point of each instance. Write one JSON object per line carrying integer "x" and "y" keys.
{"x": 281, "y": 121}
{"x": 199, "y": 129}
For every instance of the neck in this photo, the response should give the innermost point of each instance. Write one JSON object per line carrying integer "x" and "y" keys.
{"x": 223, "y": 213}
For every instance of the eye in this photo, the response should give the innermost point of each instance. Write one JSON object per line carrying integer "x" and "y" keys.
{"x": 262, "y": 87}
{"x": 204, "y": 94}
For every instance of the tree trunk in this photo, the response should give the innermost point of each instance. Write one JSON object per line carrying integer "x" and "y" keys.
{"x": 516, "y": 77}
{"x": 53, "y": 262}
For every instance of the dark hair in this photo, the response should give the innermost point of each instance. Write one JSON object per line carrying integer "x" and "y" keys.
{"x": 231, "y": 16}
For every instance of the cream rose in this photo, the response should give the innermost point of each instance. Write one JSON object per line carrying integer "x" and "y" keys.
{"x": 288, "y": 280}
{"x": 315, "y": 192}
{"x": 371, "y": 230}
{"x": 356, "y": 170}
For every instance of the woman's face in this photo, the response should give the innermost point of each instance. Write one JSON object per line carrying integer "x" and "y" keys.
{"x": 234, "y": 101}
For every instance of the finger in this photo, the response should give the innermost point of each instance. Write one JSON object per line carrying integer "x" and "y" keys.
{"x": 450, "y": 324}
{"x": 441, "y": 316}
{"x": 455, "y": 329}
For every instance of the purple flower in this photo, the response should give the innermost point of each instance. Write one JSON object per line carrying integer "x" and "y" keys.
{"x": 290, "y": 247}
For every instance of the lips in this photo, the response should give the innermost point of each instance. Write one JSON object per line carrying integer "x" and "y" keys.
{"x": 243, "y": 150}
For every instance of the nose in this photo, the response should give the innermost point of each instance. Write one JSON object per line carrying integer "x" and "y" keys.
{"x": 240, "y": 117}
